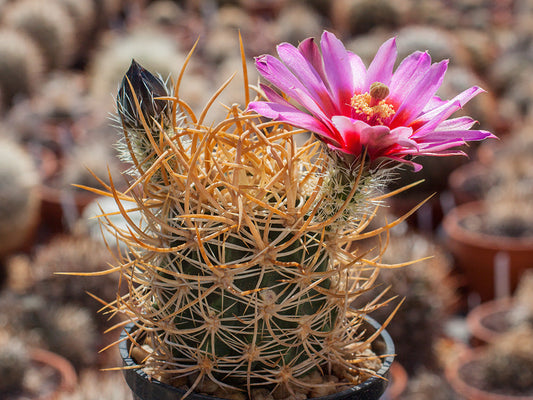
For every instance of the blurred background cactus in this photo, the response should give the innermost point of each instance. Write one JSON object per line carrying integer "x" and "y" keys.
{"x": 21, "y": 66}
{"x": 48, "y": 24}
{"x": 19, "y": 196}
{"x": 427, "y": 291}
{"x": 14, "y": 363}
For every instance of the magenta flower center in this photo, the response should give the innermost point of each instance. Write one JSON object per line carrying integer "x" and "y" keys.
{"x": 372, "y": 106}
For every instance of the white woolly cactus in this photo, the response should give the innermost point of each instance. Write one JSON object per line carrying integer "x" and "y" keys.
{"x": 243, "y": 268}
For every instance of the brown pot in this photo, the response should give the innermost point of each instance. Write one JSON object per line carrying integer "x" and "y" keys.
{"x": 488, "y": 321}
{"x": 469, "y": 182}
{"x": 51, "y": 374}
{"x": 397, "y": 382}
{"x": 456, "y": 374}
{"x": 479, "y": 255}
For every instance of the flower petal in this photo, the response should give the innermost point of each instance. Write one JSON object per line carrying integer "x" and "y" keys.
{"x": 279, "y": 75}
{"x": 381, "y": 67}
{"x": 338, "y": 70}
{"x": 456, "y": 123}
{"x": 464, "y": 135}
{"x": 407, "y": 75}
{"x": 304, "y": 71}
{"x": 293, "y": 116}
{"x": 350, "y": 131}
{"x": 419, "y": 96}
{"x": 358, "y": 73}
{"x": 309, "y": 49}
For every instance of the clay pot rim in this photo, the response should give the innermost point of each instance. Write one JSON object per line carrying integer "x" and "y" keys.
{"x": 468, "y": 391}
{"x": 456, "y": 231}
{"x": 465, "y": 171}
{"x": 459, "y": 175}
{"x": 67, "y": 373}
{"x": 398, "y": 380}
{"x": 477, "y": 314}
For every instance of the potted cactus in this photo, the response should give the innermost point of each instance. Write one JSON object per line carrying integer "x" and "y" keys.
{"x": 499, "y": 371}
{"x": 244, "y": 265}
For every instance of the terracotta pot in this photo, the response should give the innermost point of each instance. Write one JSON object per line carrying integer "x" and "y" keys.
{"x": 488, "y": 321}
{"x": 398, "y": 382}
{"x": 145, "y": 388}
{"x": 51, "y": 376}
{"x": 469, "y": 182}
{"x": 491, "y": 264}
{"x": 459, "y": 379}
{"x": 67, "y": 374}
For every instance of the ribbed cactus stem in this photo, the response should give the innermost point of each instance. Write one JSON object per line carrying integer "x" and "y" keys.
{"x": 236, "y": 278}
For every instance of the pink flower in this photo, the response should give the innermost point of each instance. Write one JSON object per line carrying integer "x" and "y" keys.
{"x": 391, "y": 114}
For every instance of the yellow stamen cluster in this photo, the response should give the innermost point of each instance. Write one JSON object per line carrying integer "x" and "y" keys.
{"x": 373, "y": 104}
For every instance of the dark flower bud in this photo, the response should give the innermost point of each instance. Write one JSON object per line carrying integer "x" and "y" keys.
{"x": 146, "y": 87}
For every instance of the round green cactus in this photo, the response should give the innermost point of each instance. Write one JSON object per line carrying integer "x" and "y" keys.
{"x": 237, "y": 276}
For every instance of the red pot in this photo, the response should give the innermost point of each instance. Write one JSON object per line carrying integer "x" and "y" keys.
{"x": 488, "y": 321}
{"x": 492, "y": 265}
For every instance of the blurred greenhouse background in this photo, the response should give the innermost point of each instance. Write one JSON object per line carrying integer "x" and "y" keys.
{"x": 61, "y": 62}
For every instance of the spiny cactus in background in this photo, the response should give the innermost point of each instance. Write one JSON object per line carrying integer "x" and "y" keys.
{"x": 355, "y": 17}
{"x": 21, "y": 66}
{"x": 71, "y": 254}
{"x": 83, "y": 13}
{"x": 85, "y": 159}
{"x": 297, "y": 22}
{"x": 48, "y": 24}
{"x": 14, "y": 363}
{"x": 166, "y": 13}
{"x": 19, "y": 195}
{"x": 68, "y": 330}
{"x": 428, "y": 385}
{"x": 428, "y": 293}
{"x": 242, "y": 274}
{"x": 522, "y": 312}
{"x": 71, "y": 332}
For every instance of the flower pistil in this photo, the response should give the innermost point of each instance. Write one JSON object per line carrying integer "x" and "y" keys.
{"x": 372, "y": 106}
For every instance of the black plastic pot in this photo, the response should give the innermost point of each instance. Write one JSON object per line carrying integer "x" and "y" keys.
{"x": 144, "y": 388}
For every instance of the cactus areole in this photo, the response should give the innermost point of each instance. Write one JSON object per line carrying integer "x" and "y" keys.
{"x": 245, "y": 263}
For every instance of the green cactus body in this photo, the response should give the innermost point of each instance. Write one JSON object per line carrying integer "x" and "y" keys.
{"x": 236, "y": 274}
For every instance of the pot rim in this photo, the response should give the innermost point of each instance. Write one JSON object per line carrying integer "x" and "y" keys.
{"x": 455, "y": 231}
{"x": 382, "y": 373}
{"x": 464, "y": 388}
{"x": 475, "y": 317}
